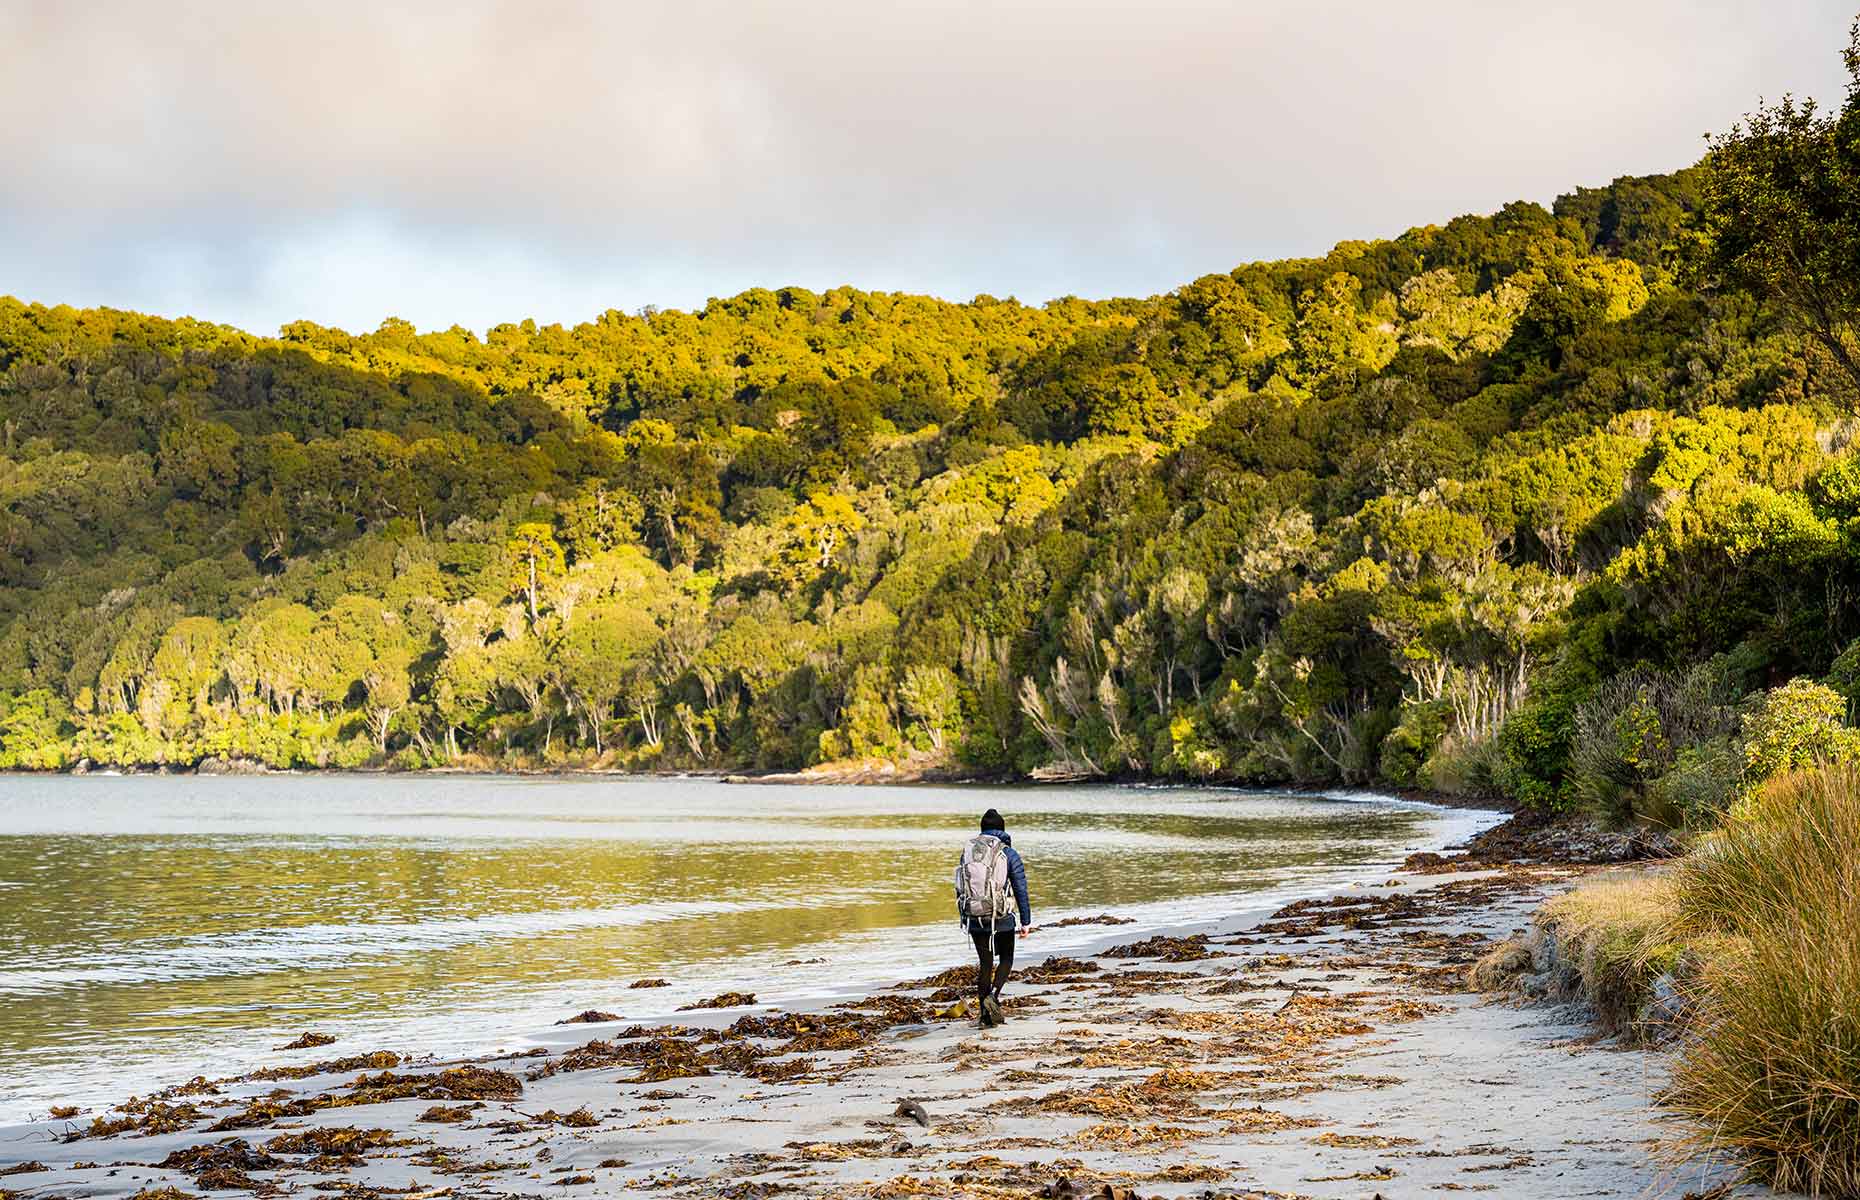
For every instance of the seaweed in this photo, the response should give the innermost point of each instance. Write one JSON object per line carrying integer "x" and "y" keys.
{"x": 896, "y": 1010}
{"x": 839, "y": 1151}
{"x": 1058, "y": 969}
{"x": 581, "y": 1118}
{"x": 785, "y": 1071}
{"x": 592, "y": 1016}
{"x": 226, "y": 1154}
{"x": 448, "y": 1114}
{"x": 777, "y": 1025}
{"x": 453, "y": 1083}
{"x": 725, "y": 1000}
{"x": 669, "y": 1058}
{"x": 147, "y": 1117}
{"x": 379, "y": 1060}
{"x": 307, "y": 1041}
{"x": 224, "y": 1179}
{"x": 737, "y": 1057}
{"x": 1132, "y": 1137}
{"x": 660, "y": 1055}
{"x": 950, "y": 977}
{"x": 1169, "y": 949}
{"x": 843, "y": 1037}
{"x": 264, "y": 1112}
{"x": 343, "y": 1139}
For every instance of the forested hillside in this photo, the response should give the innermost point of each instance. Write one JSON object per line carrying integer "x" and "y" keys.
{"x": 1544, "y": 502}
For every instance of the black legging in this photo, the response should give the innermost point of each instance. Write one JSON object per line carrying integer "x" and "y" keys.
{"x": 998, "y": 947}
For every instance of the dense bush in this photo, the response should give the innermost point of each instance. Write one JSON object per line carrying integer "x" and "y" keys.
{"x": 1400, "y": 513}
{"x": 1771, "y": 1071}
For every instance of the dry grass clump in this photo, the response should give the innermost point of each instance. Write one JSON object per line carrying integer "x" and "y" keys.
{"x": 1618, "y": 936}
{"x": 1499, "y": 968}
{"x": 1773, "y": 1071}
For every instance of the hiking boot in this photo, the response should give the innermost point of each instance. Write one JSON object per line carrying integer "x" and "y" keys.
{"x": 991, "y": 1011}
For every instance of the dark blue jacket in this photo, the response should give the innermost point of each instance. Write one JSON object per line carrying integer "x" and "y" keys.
{"x": 1017, "y": 879}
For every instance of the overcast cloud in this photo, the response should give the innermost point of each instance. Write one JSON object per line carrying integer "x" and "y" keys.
{"x": 471, "y": 163}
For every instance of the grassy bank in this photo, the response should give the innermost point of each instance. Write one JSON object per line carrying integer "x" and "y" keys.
{"x": 1756, "y": 935}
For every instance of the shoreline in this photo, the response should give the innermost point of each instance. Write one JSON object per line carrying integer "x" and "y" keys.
{"x": 775, "y": 967}
{"x": 824, "y": 775}
{"x": 1328, "y": 1049}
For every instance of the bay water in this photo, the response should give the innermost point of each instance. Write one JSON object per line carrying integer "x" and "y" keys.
{"x": 154, "y": 928}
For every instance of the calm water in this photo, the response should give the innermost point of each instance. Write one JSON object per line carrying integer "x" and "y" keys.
{"x": 155, "y": 928}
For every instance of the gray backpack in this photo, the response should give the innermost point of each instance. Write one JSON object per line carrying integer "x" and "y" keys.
{"x": 982, "y": 879}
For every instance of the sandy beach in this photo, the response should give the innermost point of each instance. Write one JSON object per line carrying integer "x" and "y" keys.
{"x": 1330, "y": 1050}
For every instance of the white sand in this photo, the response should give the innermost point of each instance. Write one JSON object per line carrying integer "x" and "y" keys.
{"x": 1445, "y": 1093}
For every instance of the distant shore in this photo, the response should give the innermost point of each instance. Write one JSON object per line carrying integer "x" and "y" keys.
{"x": 858, "y": 772}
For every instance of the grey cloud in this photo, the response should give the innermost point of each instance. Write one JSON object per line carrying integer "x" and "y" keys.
{"x": 475, "y": 162}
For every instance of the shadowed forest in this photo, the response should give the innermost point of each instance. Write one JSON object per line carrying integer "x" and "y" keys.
{"x": 1558, "y": 504}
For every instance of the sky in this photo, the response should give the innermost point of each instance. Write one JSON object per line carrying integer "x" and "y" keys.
{"x": 471, "y": 162}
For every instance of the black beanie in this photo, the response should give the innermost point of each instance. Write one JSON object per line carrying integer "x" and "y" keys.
{"x": 992, "y": 822}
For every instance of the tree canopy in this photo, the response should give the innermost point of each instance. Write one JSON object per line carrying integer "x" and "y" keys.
{"x": 1408, "y": 513}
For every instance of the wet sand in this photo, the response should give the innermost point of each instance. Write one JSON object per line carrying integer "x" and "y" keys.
{"x": 1328, "y": 1051}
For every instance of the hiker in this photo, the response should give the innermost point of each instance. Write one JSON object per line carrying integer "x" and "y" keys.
{"x": 991, "y": 884}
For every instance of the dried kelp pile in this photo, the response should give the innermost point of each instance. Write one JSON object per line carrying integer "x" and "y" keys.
{"x": 1168, "y": 949}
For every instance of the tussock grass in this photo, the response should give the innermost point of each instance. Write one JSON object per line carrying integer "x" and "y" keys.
{"x": 1771, "y": 1072}
{"x": 1791, "y": 847}
{"x": 1498, "y": 969}
{"x": 1618, "y": 937}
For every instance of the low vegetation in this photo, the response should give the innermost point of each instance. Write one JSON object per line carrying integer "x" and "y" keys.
{"x": 1616, "y": 937}
{"x": 1745, "y": 952}
{"x": 1771, "y": 1069}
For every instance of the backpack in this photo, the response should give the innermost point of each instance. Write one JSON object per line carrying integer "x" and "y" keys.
{"x": 982, "y": 879}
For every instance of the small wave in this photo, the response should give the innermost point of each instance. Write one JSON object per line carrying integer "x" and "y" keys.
{"x": 327, "y": 945}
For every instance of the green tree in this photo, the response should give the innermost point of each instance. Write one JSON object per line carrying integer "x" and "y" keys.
{"x": 535, "y": 556}
{"x": 1781, "y": 212}
{"x": 595, "y": 660}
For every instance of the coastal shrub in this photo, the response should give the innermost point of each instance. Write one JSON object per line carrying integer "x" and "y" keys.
{"x": 1619, "y": 746}
{"x": 1699, "y": 789}
{"x": 32, "y": 729}
{"x": 1797, "y": 725}
{"x": 1465, "y": 768}
{"x": 1772, "y": 1070}
{"x": 1633, "y": 730}
{"x": 1844, "y": 677}
{"x": 1535, "y": 745}
{"x": 1418, "y": 731}
{"x": 1793, "y": 840}
{"x": 1617, "y": 936}
{"x": 1190, "y": 747}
